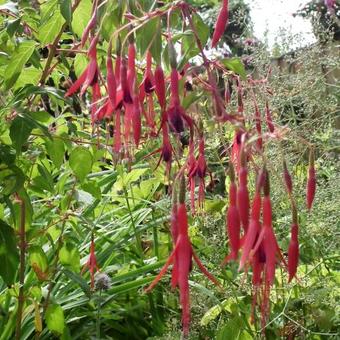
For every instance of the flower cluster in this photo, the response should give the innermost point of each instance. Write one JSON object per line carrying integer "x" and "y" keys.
{"x": 146, "y": 101}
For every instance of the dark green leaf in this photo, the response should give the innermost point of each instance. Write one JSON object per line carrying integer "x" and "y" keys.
{"x": 9, "y": 256}
{"x": 13, "y": 26}
{"x": 78, "y": 280}
{"x": 11, "y": 179}
{"x": 19, "y": 132}
{"x": 66, "y": 10}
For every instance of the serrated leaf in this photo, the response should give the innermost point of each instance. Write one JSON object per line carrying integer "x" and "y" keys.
{"x": 81, "y": 162}
{"x": 17, "y": 62}
{"x": 55, "y": 319}
{"x": 9, "y": 255}
{"x": 149, "y": 37}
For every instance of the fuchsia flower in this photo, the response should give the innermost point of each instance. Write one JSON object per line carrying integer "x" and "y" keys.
{"x": 293, "y": 249}
{"x": 91, "y": 24}
{"x": 232, "y": 219}
{"x": 160, "y": 87}
{"x": 221, "y": 23}
{"x": 181, "y": 258}
{"x": 311, "y": 181}
{"x": 89, "y": 77}
{"x": 177, "y": 117}
{"x": 242, "y": 192}
{"x": 91, "y": 263}
{"x": 330, "y": 4}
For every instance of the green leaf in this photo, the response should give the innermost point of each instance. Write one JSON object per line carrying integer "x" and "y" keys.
{"x": 56, "y": 151}
{"x": 11, "y": 179}
{"x": 13, "y": 26}
{"x": 78, "y": 280}
{"x": 149, "y": 37}
{"x": 81, "y": 17}
{"x": 55, "y": 319}
{"x": 92, "y": 188}
{"x": 80, "y": 64}
{"x": 38, "y": 261}
{"x": 49, "y": 30}
{"x": 235, "y": 65}
{"x": 190, "y": 99}
{"x": 9, "y": 256}
{"x": 81, "y": 162}
{"x": 231, "y": 330}
{"x": 66, "y": 10}
{"x": 69, "y": 256}
{"x": 17, "y": 62}
{"x": 29, "y": 75}
{"x": 19, "y": 132}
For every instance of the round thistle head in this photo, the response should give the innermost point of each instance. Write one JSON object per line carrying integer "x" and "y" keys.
{"x": 102, "y": 281}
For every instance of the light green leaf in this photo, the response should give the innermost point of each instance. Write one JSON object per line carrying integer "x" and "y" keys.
{"x": 56, "y": 150}
{"x": 80, "y": 63}
{"x": 51, "y": 28}
{"x": 81, "y": 162}
{"x": 29, "y": 75}
{"x": 235, "y": 65}
{"x": 81, "y": 17}
{"x": 17, "y": 62}
{"x": 55, "y": 319}
{"x": 38, "y": 258}
{"x": 69, "y": 256}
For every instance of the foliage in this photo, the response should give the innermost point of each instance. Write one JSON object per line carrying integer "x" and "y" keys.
{"x": 64, "y": 188}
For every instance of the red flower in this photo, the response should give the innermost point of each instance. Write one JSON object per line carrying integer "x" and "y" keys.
{"x": 232, "y": 219}
{"x": 91, "y": 263}
{"x": 311, "y": 181}
{"x": 181, "y": 258}
{"x": 221, "y": 23}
